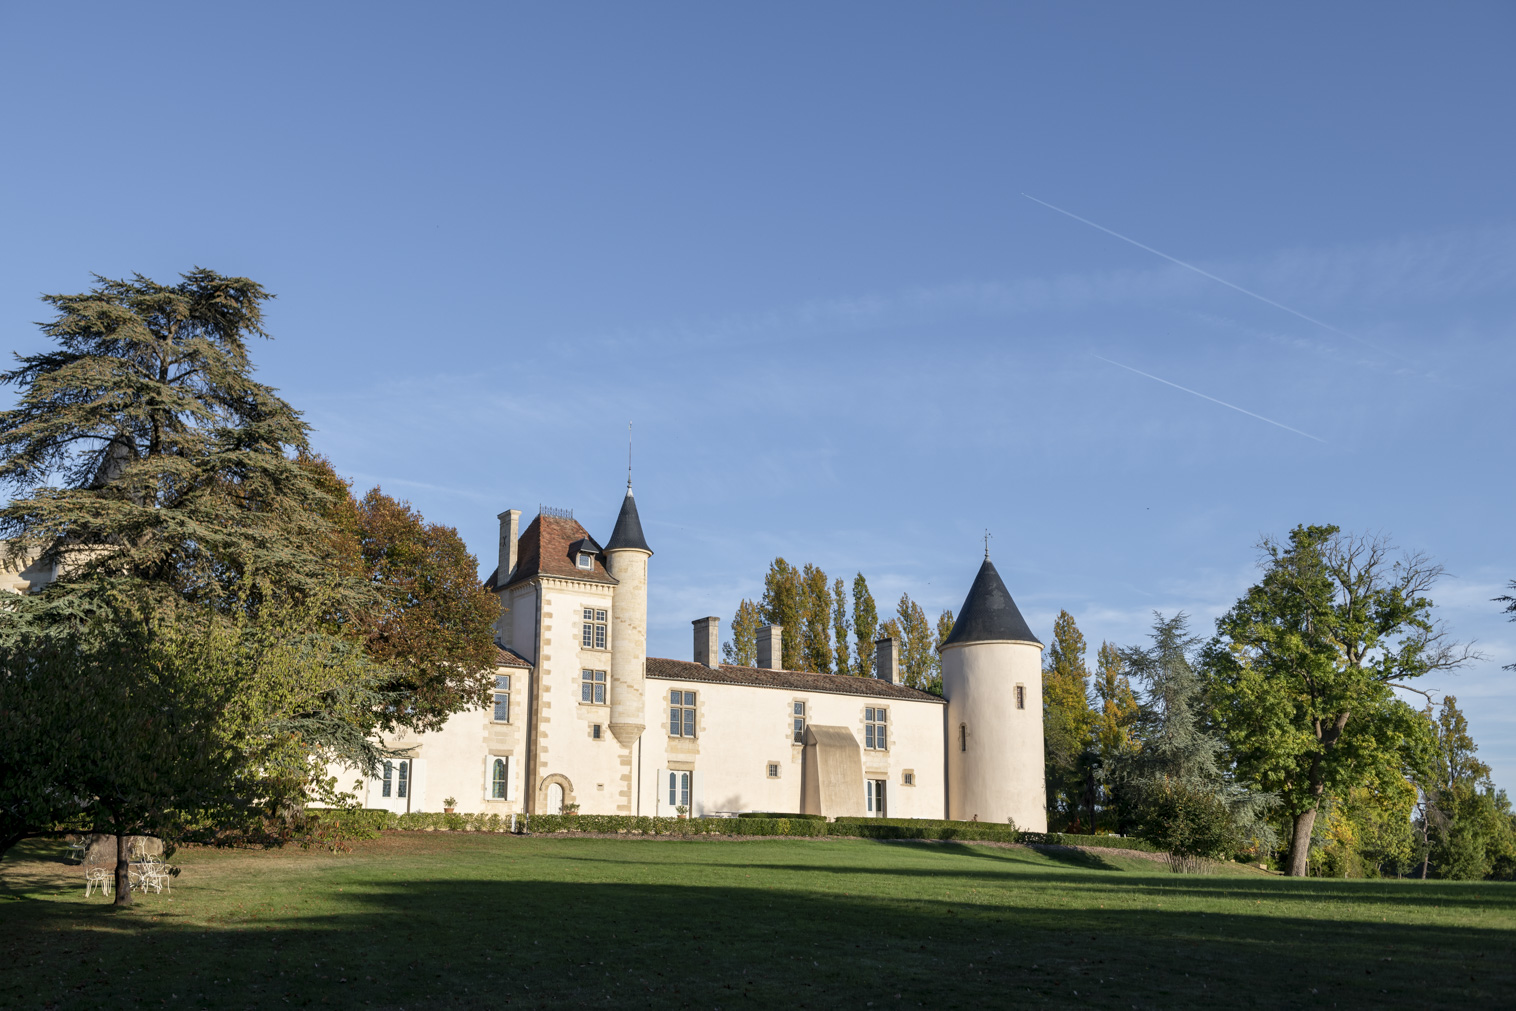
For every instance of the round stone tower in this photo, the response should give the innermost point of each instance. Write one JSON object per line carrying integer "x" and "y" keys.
{"x": 626, "y": 555}
{"x": 992, "y": 680}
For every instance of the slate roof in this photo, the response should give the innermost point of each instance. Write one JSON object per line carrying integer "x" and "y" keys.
{"x": 628, "y": 531}
{"x": 791, "y": 680}
{"x": 989, "y": 613}
{"x": 507, "y": 657}
{"x": 545, "y": 548}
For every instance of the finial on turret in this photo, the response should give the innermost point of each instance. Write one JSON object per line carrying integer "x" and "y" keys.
{"x": 628, "y": 456}
{"x": 986, "y": 543}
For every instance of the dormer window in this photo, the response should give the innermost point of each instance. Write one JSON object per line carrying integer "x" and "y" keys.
{"x": 586, "y": 560}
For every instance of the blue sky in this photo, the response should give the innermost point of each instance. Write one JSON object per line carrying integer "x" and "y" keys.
{"x": 790, "y": 243}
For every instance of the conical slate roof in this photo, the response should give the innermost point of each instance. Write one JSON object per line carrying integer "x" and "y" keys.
{"x": 628, "y": 532}
{"x": 989, "y": 613}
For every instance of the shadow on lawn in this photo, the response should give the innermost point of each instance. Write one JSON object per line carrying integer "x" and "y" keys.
{"x": 1001, "y": 865}
{"x": 486, "y": 943}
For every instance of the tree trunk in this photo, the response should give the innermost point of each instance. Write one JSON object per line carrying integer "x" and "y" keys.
{"x": 123, "y": 876}
{"x": 1300, "y": 843}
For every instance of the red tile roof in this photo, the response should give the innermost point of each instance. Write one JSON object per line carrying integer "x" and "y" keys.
{"x": 792, "y": 680}
{"x": 543, "y": 548}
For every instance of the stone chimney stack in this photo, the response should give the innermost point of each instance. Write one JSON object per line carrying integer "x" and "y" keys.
{"x": 708, "y": 641}
{"x": 887, "y": 659}
{"x": 770, "y": 647}
{"x": 510, "y": 521}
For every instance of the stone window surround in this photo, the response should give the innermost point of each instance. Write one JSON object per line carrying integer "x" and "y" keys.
{"x": 774, "y": 769}
{"x": 881, "y": 725}
{"x": 804, "y": 716}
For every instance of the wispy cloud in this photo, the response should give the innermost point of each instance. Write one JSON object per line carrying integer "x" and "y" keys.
{"x": 1221, "y": 280}
{"x": 1202, "y": 396}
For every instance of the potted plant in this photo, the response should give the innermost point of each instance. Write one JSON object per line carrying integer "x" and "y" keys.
{"x": 448, "y": 804}
{"x": 570, "y": 809}
{"x": 681, "y": 810}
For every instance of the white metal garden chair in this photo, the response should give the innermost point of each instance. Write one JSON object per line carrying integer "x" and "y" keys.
{"x": 98, "y": 877}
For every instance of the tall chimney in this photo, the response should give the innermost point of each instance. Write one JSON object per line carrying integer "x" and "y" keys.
{"x": 887, "y": 659}
{"x": 708, "y": 641}
{"x": 509, "y": 521}
{"x": 770, "y": 647}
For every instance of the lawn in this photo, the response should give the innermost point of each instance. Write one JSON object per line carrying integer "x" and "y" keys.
{"x": 422, "y": 920}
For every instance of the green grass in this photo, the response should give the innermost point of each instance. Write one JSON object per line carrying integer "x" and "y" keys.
{"x": 422, "y": 920}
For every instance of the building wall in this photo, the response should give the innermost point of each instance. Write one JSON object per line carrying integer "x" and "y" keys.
{"x": 564, "y": 743}
{"x": 995, "y": 750}
{"x": 740, "y": 729}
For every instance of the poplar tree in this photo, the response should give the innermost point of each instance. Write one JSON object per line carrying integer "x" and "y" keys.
{"x": 782, "y": 604}
{"x": 1116, "y": 706}
{"x": 742, "y": 649}
{"x": 943, "y": 630}
{"x": 1067, "y": 719}
{"x": 1465, "y": 821}
{"x": 865, "y": 626}
{"x": 916, "y": 646}
{"x": 816, "y": 614}
{"x": 841, "y": 626}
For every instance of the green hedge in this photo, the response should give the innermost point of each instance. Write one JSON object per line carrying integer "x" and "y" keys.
{"x": 621, "y": 824}
{"x": 367, "y": 823}
{"x": 914, "y": 828}
{"x": 779, "y": 814}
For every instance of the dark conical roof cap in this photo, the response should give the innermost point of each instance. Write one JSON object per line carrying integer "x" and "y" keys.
{"x": 628, "y": 532}
{"x": 989, "y": 613}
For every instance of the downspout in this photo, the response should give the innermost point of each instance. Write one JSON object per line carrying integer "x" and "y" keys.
{"x": 947, "y": 753}
{"x": 529, "y": 788}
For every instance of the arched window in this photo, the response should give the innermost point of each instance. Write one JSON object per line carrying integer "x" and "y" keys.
{"x": 497, "y": 779}
{"x": 963, "y": 737}
{"x": 389, "y": 773}
{"x": 405, "y": 778}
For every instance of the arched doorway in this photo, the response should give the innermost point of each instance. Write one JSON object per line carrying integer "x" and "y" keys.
{"x": 555, "y": 798}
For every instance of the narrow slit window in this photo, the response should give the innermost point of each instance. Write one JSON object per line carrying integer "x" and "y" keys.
{"x": 1021, "y": 696}
{"x": 963, "y": 737}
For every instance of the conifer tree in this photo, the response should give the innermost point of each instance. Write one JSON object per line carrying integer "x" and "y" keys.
{"x": 1175, "y": 785}
{"x": 841, "y": 626}
{"x": 175, "y": 467}
{"x": 816, "y": 614}
{"x": 783, "y": 604}
{"x": 742, "y": 648}
{"x": 865, "y": 627}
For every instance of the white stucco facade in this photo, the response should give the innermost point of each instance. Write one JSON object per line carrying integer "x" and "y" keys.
{"x": 583, "y": 716}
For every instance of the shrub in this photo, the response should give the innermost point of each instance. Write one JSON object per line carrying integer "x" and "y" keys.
{"x": 1192, "y": 826}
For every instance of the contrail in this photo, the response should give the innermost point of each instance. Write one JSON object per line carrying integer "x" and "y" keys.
{"x": 1213, "y": 400}
{"x": 1222, "y": 280}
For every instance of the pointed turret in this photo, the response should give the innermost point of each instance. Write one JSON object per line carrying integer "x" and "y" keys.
{"x": 626, "y": 555}
{"x": 989, "y": 614}
{"x": 628, "y": 530}
{"x": 992, "y": 680}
